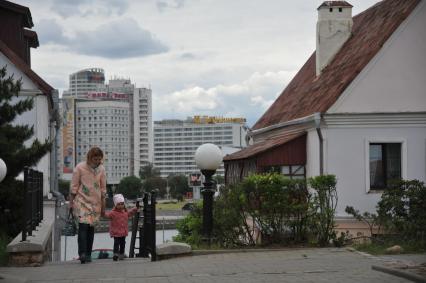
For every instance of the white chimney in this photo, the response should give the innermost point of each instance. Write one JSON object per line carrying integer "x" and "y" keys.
{"x": 334, "y": 27}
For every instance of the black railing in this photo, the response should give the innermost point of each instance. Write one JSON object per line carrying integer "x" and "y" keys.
{"x": 147, "y": 233}
{"x": 33, "y": 201}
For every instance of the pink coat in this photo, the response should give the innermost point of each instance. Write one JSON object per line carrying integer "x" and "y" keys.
{"x": 118, "y": 226}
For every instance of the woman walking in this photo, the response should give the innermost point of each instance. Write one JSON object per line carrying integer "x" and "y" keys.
{"x": 87, "y": 201}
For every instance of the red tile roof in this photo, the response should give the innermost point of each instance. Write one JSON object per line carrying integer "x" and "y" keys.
{"x": 263, "y": 146}
{"x": 44, "y": 87}
{"x": 307, "y": 94}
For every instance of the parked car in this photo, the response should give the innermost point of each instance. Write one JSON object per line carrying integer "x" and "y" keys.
{"x": 188, "y": 206}
{"x": 102, "y": 253}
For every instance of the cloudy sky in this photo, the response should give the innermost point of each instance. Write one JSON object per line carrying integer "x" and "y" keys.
{"x": 200, "y": 57}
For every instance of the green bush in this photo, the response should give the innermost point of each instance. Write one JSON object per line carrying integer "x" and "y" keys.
{"x": 190, "y": 227}
{"x": 402, "y": 209}
{"x": 324, "y": 205}
{"x": 277, "y": 206}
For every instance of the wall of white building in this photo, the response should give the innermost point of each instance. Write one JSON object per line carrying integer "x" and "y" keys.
{"x": 37, "y": 117}
{"x": 347, "y": 157}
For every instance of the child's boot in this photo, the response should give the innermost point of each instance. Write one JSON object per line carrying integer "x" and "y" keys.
{"x": 115, "y": 257}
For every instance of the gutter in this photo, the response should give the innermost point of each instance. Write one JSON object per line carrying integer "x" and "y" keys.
{"x": 321, "y": 142}
{"x": 297, "y": 121}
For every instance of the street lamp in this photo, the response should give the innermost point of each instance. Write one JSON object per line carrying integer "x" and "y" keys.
{"x": 3, "y": 170}
{"x": 208, "y": 158}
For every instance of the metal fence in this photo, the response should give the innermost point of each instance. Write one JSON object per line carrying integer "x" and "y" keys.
{"x": 33, "y": 201}
{"x": 147, "y": 233}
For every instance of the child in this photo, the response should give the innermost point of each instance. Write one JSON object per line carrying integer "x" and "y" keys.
{"x": 118, "y": 227}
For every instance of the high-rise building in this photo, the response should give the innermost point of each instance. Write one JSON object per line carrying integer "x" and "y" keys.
{"x": 85, "y": 81}
{"x": 143, "y": 136}
{"x": 105, "y": 124}
{"x": 175, "y": 141}
{"x": 117, "y": 117}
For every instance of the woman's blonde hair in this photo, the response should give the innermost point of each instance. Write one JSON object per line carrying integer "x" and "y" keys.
{"x": 94, "y": 152}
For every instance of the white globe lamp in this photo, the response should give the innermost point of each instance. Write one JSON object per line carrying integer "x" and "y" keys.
{"x": 208, "y": 156}
{"x": 3, "y": 170}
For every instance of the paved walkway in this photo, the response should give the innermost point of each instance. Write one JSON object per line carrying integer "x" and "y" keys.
{"x": 295, "y": 265}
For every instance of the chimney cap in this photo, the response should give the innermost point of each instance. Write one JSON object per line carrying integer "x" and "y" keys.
{"x": 330, "y": 4}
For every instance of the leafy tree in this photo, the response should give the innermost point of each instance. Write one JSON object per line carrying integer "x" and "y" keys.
{"x": 156, "y": 183}
{"x": 130, "y": 187}
{"x": 148, "y": 171}
{"x": 178, "y": 185}
{"x": 13, "y": 151}
{"x": 64, "y": 187}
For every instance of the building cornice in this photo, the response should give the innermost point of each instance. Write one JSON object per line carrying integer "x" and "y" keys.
{"x": 403, "y": 119}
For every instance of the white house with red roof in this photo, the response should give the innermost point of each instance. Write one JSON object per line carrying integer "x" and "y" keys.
{"x": 356, "y": 109}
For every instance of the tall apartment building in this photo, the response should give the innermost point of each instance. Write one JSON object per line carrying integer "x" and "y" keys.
{"x": 143, "y": 133}
{"x": 175, "y": 141}
{"x": 105, "y": 124}
{"x": 117, "y": 117}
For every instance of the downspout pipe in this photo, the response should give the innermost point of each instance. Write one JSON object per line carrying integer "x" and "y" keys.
{"x": 317, "y": 120}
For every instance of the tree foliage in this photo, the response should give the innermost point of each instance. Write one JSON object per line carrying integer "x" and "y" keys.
{"x": 178, "y": 185}
{"x": 13, "y": 150}
{"x": 130, "y": 187}
{"x": 64, "y": 187}
{"x": 148, "y": 171}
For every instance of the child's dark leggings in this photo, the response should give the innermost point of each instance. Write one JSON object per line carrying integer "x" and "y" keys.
{"x": 119, "y": 245}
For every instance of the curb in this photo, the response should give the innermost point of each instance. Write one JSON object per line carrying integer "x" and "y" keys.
{"x": 406, "y": 275}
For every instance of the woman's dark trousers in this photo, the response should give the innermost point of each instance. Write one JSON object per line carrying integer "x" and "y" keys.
{"x": 85, "y": 240}
{"x": 119, "y": 245}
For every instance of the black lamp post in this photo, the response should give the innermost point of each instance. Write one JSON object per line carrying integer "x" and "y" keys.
{"x": 208, "y": 158}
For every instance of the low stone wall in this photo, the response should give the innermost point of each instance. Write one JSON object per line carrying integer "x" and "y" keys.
{"x": 36, "y": 250}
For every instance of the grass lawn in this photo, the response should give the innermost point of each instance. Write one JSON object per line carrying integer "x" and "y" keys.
{"x": 380, "y": 248}
{"x": 170, "y": 205}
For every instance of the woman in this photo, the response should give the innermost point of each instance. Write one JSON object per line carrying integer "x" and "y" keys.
{"x": 87, "y": 201}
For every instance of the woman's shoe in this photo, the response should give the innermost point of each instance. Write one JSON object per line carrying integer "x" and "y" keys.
{"x": 115, "y": 257}
{"x": 121, "y": 256}
{"x": 83, "y": 258}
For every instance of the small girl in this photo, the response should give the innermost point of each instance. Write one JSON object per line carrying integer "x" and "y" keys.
{"x": 118, "y": 227}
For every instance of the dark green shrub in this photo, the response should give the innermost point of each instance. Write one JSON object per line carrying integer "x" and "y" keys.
{"x": 190, "y": 228}
{"x": 402, "y": 209}
{"x": 324, "y": 205}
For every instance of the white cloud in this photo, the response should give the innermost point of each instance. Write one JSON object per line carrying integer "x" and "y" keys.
{"x": 122, "y": 38}
{"x": 247, "y": 99}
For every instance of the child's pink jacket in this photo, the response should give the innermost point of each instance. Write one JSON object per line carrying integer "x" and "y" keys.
{"x": 118, "y": 226}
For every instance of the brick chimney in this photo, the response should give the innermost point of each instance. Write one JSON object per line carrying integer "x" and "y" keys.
{"x": 334, "y": 27}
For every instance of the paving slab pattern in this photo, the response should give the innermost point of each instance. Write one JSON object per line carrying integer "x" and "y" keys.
{"x": 294, "y": 265}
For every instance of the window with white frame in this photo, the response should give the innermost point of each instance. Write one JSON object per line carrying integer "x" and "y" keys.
{"x": 385, "y": 164}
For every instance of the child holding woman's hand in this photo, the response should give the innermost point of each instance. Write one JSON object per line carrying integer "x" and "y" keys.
{"x": 118, "y": 227}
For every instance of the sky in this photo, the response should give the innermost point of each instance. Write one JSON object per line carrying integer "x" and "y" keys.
{"x": 229, "y": 58}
